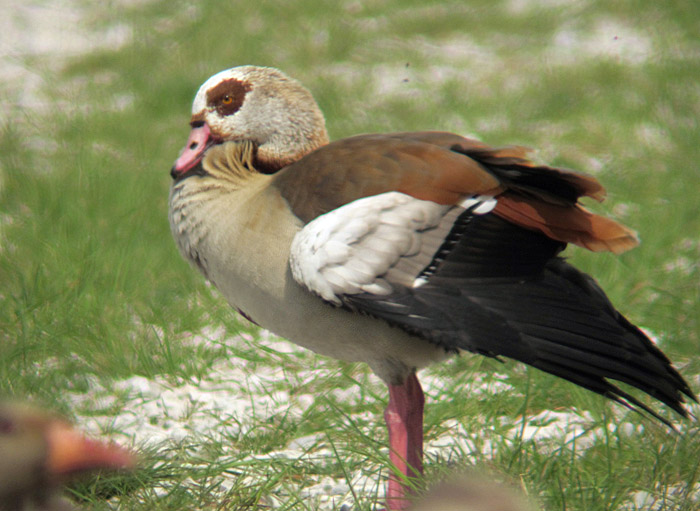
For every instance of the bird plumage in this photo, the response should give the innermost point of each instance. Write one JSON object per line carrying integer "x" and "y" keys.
{"x": 39, "y": 452}
{"x": 396, "y": 249}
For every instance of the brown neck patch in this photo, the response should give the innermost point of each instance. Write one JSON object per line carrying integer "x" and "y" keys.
{"x": 267, "y": 166}
{"x": 228, "y": 96}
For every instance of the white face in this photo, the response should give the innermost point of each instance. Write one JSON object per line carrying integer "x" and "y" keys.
{"x": 259, "y": 104}
{"x": 222, "y": 102}
{"x": 200, "y": 99}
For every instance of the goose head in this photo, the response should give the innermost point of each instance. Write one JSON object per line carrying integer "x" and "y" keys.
{"x": 40, "y": 451}
{"x": 257, "y": 104}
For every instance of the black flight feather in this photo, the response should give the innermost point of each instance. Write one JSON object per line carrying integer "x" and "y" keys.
{"x": 500, "y": 290}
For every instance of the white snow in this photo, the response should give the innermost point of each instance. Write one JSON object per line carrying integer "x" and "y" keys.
{"x": 236, "y": 394}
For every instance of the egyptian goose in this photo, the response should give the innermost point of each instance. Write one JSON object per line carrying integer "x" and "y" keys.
{"x": 400, "y": 249}
{"x": 39, "y": 452}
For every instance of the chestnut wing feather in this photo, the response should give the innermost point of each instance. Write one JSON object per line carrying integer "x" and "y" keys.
{"x": 444, "y": 168}
{"x": 494, "y": 285}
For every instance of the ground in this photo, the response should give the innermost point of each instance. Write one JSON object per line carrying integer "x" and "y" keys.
{"x": 102, "y": 320}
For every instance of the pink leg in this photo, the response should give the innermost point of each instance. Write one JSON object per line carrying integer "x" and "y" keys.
{"x": 404, "y": 418}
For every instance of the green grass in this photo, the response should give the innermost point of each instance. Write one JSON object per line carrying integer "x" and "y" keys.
{"x": 93, "y": 291}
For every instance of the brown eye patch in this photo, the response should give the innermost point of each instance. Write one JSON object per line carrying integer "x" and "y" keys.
{"x": 227, "y": 96}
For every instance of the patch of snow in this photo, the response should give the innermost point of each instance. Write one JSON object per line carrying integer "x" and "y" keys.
{"x": 479, "y": 384}
{"x": 654, "y": 136}
{"x": 459, "y": 442}
{"x": 549, "y": 429}
{"x": 55, "y": 28}
{"x": 237, "y": 393}
{"x": 609, "y": 39}
{"x": 52, "y": 32}
{"x": 456, "y": 58}
{"x": 623, "y": 209}
{"x": 571, "y": 427}
{"x": 668, "y": 498}
{"x": 528, "y": 6}
{"x": 329, "y": 487}
{"x": 305, "y": 443}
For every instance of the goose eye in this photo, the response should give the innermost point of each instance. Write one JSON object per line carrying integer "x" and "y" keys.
{"x": 227, "y": 100}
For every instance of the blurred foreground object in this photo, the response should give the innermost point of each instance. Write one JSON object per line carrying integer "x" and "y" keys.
{"x": 39, "y": 452}
{"x": 471, "y": 492}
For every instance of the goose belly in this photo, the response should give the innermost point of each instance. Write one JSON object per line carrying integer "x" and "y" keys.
{"x": 242, "y": 246}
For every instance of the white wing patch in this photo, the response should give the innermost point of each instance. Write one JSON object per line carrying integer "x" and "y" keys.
{"x": 479, "y": 204}
{"x": 374, "y": 244}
